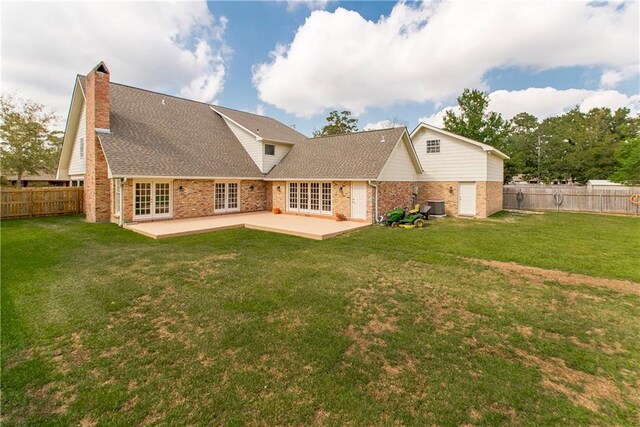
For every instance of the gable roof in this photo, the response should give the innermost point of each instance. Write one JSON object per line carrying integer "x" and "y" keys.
{"x": 261, "y": 126}
{"x": 349, "y": 156}
{"x": 487, "y": 148}
{"x": 157, "y": 135}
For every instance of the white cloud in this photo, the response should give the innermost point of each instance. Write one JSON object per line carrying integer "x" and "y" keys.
{"x": 431, "y": 51}
{"x": 547, "y": 102}
{"x": 611, "y": 78}
{"x": 311, "y": 4}
{"x": 382, "y": 124}
{"x": 177, "y": 48}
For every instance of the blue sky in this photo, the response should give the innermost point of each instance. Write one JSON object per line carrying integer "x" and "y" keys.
{"x": 296, "y": 61}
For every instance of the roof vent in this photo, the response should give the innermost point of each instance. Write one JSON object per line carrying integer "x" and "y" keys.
{"x": 163, "y": 101}
{"x": 257, "y": 130}
{"x": 382, "y": 140}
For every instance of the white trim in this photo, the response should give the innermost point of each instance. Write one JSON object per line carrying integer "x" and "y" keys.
{"x": 73, "y": 117}
{"x": 317, "y": 179}
{"x": 209, "y": 178}
{"x": 485, "y": 147}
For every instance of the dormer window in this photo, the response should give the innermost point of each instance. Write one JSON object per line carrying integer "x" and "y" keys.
{"x": 81, "y": 148}
{"x": 433, "y": 146}
{"x": 269, "y": 150}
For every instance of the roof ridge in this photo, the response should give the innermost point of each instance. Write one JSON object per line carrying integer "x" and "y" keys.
{"x": 155, "y": 92}
{"x": 357, "y": 132}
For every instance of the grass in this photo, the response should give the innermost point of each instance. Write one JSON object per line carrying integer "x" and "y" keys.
{"x": 103, "y": 326}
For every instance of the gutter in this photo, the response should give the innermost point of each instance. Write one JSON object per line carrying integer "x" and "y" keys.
{"x": 375, "y": 219}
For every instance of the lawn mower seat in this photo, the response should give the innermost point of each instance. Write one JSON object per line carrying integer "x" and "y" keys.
{"x": 415, "y": 209}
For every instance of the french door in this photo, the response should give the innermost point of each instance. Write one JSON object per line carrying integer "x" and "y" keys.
{"x": 152, "y": 200}
{"x": 226, "y": 197}
{"x": 309, "y": 197}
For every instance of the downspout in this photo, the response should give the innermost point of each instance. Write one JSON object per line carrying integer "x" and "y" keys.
{"x": 375, "y": 220}
{"x": 121, "y": 219}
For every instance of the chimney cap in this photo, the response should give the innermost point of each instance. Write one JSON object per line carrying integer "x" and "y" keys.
{"x": 101, "y": 68}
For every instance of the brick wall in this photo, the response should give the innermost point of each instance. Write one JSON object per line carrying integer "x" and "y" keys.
{"x": 341, "y": 198}
{"x": 488, "y": 198}
{"x": 439, "y": 190}
{"x": 279, "y": 195}
{"x": 194, "y": 200}
{"x": 253, "y": 196}
{"x": 97, "y": 186}
{"x": 393, "y": 195}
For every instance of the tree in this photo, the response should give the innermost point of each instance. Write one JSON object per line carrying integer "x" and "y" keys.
{"x": 28, "y": 145}
{"x": 475, "y": 122}
{"x": 521, "y": 143}
{"x": 338, "y": 123}
{"x": 628, "y": 155}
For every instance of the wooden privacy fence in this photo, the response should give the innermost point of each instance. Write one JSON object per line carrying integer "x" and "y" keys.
{"x": 574, "y": 199}
{"x": 40, "y": 201}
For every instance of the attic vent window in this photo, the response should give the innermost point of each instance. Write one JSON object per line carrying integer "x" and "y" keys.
{"x": 81, "y": 147}
{"x": 433, "y": 146}
{"x": 269, "y": 150}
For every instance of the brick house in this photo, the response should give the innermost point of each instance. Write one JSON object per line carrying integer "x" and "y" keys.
{"x": 145, "y": 156}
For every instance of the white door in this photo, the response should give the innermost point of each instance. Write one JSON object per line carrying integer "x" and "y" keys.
{"x": 467, "y": 198}
{"x": 226, "y": 197}
{"x": 152, "y": 200}
{"x": 358, "y": 200}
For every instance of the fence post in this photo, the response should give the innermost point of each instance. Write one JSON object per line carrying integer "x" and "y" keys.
{"x": 30, "y": 202}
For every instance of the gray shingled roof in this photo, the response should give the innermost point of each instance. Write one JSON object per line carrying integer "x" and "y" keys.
{"x": 159, "y": 135}
{"x": 360, "y": 155}
{"x": 263, "y": 126}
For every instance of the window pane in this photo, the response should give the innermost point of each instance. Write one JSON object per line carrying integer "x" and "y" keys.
{"x": 161, "y": 198}
{"x": 293, "y": 195}
{"x": 269, "y": 149}
{"x": 232, "y": 202}
{"x": 116, "y": 197}
{"x": 220, "y": 196}
{"x": 433, "y": 146}
{"x": 304, "y": 195}
{"x": 315, "y": 196}
{"x": 143, "y": 198}
{"x": 326, "y": 196}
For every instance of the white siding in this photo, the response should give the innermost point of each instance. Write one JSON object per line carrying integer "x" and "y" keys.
{"x": 495, "y": 169}
{"x": 78, "y": 162}
{"x": 248, "y": 141}
{"x": 269, "y": 162}
{"x": 456, "y": 161}
{"x": 399, "y": 167}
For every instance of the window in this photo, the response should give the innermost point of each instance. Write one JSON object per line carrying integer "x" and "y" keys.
{"x": 309, "y": 197}
{"x": 269, "y": 150}
{"x": 81, "y": 147}
{"x": 116, "y": 197}
{"x": 143, "y": 198}
{"x": 152, "y": 199}
{"x": 433, "y": 146}
{"x": 225, "y": 198}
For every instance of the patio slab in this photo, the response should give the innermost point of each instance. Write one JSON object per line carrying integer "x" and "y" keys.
{"x": 295, "y": 225}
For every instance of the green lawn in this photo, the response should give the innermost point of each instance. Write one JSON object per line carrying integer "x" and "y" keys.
{"x": 103, "y": 326}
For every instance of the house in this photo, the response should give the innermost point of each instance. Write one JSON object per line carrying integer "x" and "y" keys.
{"x": 466, "y": 174}
{"x": 603, "y": 184}
{"x": 145, "y": 156}
{"x": 40, "y": 180}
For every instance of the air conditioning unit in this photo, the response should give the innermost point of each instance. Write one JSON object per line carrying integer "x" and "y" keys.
{"x": 437, "y": 207}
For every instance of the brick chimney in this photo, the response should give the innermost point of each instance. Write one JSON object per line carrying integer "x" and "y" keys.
{"x": 97, "y": 186}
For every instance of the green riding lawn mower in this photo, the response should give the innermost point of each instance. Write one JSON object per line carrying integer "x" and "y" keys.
{"x": 414, "y": 218}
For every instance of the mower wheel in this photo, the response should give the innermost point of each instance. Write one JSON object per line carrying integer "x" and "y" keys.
{"x": 419, "y": 223}
{"x": 395, "y": 224}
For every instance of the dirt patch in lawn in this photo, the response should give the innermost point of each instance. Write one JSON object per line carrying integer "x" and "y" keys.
{"x": 580, "y": 387}
{"x": 537, "y": 274}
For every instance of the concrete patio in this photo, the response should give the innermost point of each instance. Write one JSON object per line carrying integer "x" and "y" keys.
{"x": 295, "y": 225}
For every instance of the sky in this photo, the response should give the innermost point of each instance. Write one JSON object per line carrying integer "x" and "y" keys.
{"x": 387, "y": 62}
